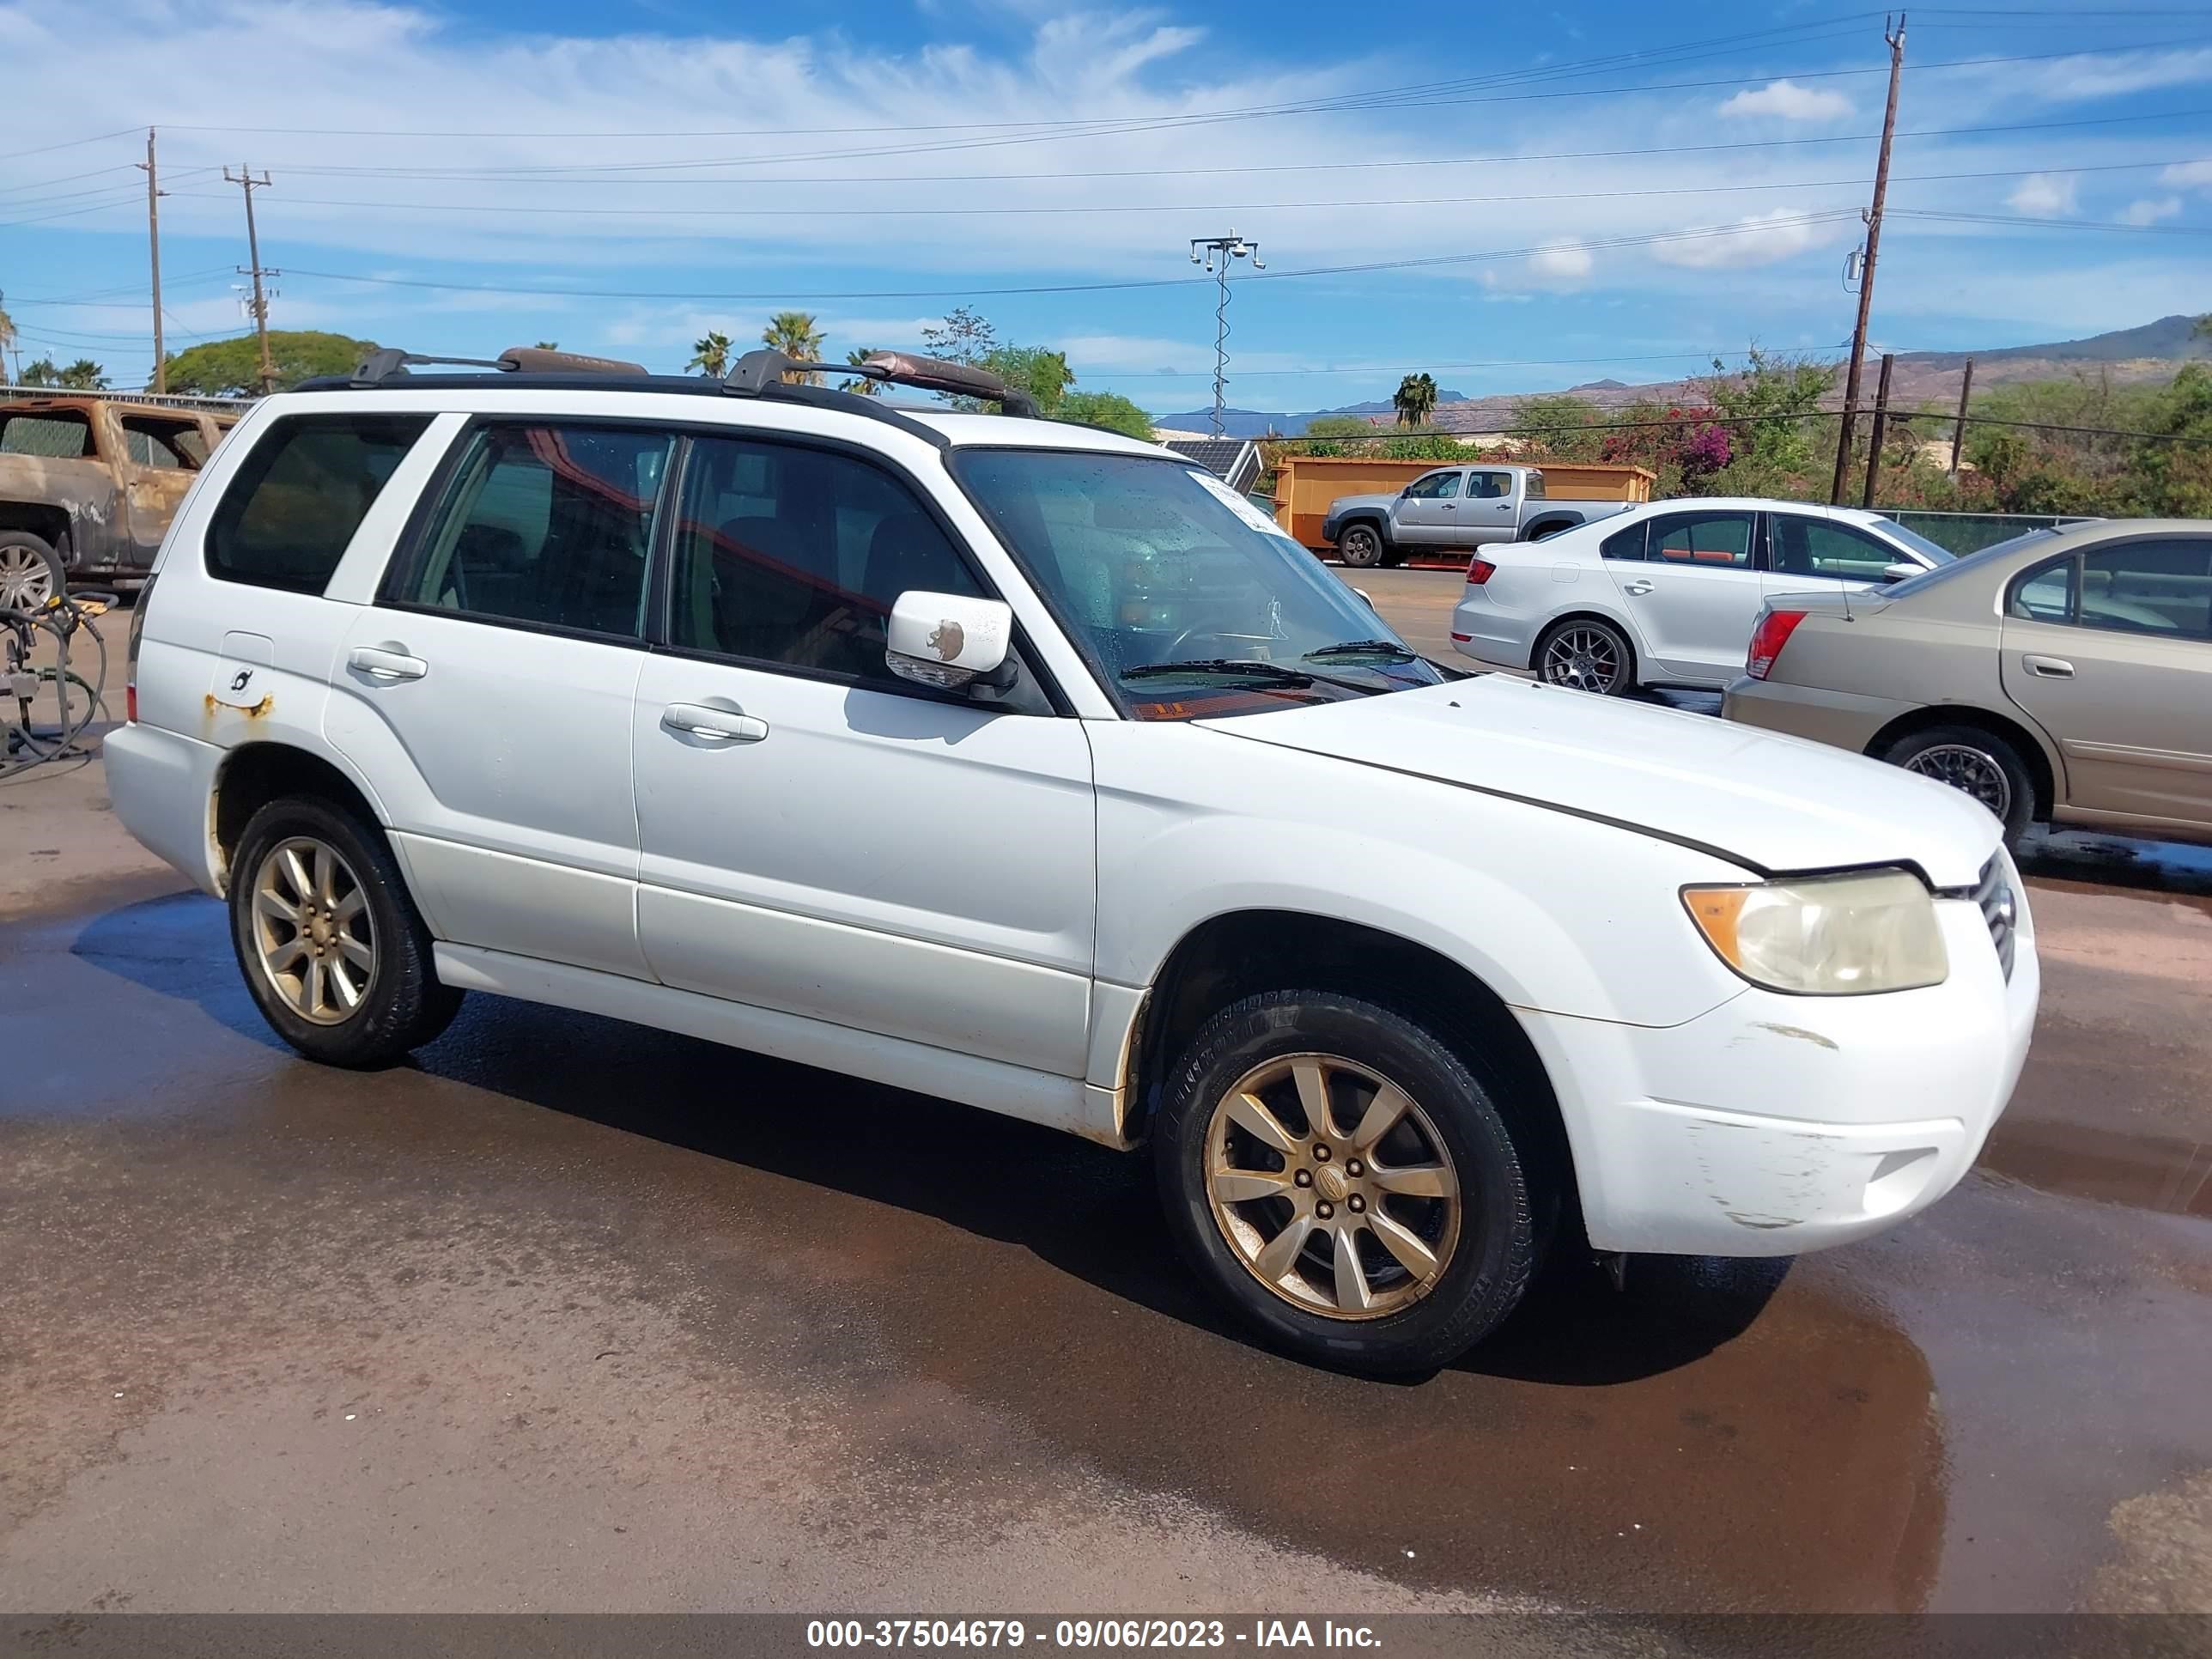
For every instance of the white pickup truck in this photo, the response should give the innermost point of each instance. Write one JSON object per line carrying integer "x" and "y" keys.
{"x": 1455, "y": 507}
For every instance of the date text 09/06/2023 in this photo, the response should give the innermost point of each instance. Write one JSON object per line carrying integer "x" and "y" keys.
{"x": 1118, "y": 1634}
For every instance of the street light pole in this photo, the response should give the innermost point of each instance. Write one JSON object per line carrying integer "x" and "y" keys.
{"x": 1217, "y": 253}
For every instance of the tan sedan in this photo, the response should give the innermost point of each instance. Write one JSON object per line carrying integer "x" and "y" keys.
{"x": 2065, "y": 677}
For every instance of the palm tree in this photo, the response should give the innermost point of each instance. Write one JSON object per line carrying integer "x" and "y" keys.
{"x": 711, "y": 355}
{"x": 1416, "y": 399}
{"x": 861, "y": 383}
{"x": 7, "y": 339}
{"x": 796, "y": 335}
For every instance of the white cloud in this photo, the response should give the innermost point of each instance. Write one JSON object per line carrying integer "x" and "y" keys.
{"x": 2188, "y": 175}
{"x": 2043, "y": 195}
{"x": 1561, "y": 262}
{"x": 2150, "y": 212}
{"x": 2107, "y": 75}
{"x": 1787, "y": 101}
{"x": 1757, "y": 238}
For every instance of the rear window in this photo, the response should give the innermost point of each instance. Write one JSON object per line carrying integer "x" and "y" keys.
{"x": 301, "y": 494}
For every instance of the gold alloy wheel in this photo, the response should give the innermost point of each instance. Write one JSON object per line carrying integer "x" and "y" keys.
{"x": 311, "y": 931}
{"x": 1352, "y": 1224}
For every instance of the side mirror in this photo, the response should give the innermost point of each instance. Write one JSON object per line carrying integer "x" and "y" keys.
{"x": 1901, "y": 571}
{"x": 951, "y": 641}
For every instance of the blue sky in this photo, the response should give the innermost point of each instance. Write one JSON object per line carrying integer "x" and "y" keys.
{"x": 1555, "y": 196}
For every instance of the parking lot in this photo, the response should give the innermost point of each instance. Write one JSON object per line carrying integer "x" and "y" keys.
{"x": 574, "y": 1314}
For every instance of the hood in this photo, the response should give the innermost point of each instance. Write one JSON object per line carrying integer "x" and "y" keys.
{"x": 1772, "y": 803}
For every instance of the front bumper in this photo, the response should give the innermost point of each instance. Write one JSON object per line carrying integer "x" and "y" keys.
{"x": 1842, "y": 720}
{"x": 1776, "y": 1125}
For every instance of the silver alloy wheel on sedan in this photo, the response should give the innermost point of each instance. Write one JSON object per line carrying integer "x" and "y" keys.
{"x": 312, "y": 936}
{"x": 1352, "y": 1224}
{"x": 1975, "y": 771}
{"x": 1584, "y": 657}
{"x": 26, "y": 581}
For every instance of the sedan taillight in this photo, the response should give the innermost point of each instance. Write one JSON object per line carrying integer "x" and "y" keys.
{"x": 1479, "y": 572}
{"x": 1773, "y": 632}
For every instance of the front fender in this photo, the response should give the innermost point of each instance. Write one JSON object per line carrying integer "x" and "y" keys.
{"x": 1552, "y": 912}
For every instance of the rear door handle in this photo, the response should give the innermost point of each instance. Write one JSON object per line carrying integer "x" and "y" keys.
{"x": 386, "y": 662}
{"x": 2051, "y": 668}
{"x": 1638, "y": 587}
{"x": 700, "y": 720}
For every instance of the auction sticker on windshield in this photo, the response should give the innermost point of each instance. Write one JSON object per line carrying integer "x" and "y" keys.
{"x": 1243, "y": 508}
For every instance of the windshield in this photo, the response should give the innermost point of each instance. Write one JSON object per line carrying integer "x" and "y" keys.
{"x": 1918, "y": 543}
{"x": 1187, "y": 599}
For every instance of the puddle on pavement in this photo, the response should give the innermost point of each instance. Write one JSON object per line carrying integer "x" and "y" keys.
{"x": 2145, "y": 1172}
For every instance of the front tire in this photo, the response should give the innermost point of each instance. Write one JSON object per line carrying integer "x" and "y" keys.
{"x": 1360, "y": 546}
{"x": 1585, "y": 654}
{"x": 1976, "y": 763}
{"x": 333, "y": 950}
{"x": 1340, "y": 1180}
{"x": 30, "y": 571}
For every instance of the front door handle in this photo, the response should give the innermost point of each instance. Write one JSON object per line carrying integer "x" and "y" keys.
{"x": 1638, "y": 587}
{"x": 700, "y": 720}
{"x": 2051, "y": 668}
{"x": 387, "y": 662}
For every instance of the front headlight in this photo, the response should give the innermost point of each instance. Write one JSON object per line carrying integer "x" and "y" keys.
{"x": 1849, "y": 935}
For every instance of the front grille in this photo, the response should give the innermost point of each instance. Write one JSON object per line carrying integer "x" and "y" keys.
{"x": 1993, "y": 893}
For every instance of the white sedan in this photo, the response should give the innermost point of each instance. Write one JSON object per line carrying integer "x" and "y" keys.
{"x": 1666, "y": 593}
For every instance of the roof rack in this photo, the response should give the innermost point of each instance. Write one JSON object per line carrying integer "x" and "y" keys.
{"x": 391, "y": 363}
{"x": 759, "y": 373}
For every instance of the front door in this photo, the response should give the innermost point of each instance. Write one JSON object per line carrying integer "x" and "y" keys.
{"x": 489, "y": 691}
{"x": 1696, "y": 593}
{"x": 1429, "y": 511}
{"x": 2112, "y": 654}
{"x": 823, "y": 838}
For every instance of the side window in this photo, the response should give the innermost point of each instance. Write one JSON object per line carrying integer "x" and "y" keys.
{"x": 2150, "y": 587}
{"x": 2044, "y": 595}
{"x": 1436, "y": 487}
{"x": 1815, "y": 547}
{"x": 161, "y": 443}
{"x": 57, "y": 436}
{"x": 1707, "y": 540}
{"x": 1624, "y": 544}
{"x": 294, "y": 504}
{"x": 548, "y": 524}
{"x": 1489, "y": 486}
{"x": 1535, "y": 487}
{"x": 795, "y": 556}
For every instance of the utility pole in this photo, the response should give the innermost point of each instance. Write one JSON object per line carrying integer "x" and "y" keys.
{"x": 1222, "y": 252}
{"x": 1880, "y": 428}
{"x": 154, "y": 245}
{"x": 247, "y": 182}
{"x": 1958, "y": 432}
{"x": 1866, "y": 267}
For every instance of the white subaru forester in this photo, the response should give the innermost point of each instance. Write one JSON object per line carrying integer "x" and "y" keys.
{"x": 1024, "y": 764}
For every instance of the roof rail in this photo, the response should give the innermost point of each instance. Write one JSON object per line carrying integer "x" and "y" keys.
{"x": 761, "y": 373}
{"x": 391, "y": 363}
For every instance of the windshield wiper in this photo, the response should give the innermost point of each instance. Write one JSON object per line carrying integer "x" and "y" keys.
{"x": 1362, "y": 648}
{"x": 1274, "y": 673}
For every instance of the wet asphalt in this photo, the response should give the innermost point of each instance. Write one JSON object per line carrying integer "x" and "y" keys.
{"x": 567, "y": 1313}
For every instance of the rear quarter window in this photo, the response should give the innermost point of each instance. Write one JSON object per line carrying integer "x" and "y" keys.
{"x": 297, "y": 501}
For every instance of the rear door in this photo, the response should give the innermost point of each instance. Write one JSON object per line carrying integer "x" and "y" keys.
{"x": 160, "y": 456}
{"x": 1695, "y": 594}
{"x": 1428, "y": 513}
{"x": 489, "y": 689}
{"x": 1488, "y": 511}
{"x": 2110, "y": 651}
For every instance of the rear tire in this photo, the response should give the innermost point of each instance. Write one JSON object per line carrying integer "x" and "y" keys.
{"x": 1360, "y": 546}
{"x": 335, "y": 953}
{"x": 1976, "y": 763}
{"x": 1438, "y": 1204}
{"x": 1585, "y": 654}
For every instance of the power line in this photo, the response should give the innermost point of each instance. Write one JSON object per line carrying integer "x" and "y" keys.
{"x": 1030, "y": 209}
{"x": 69, "y": 144}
